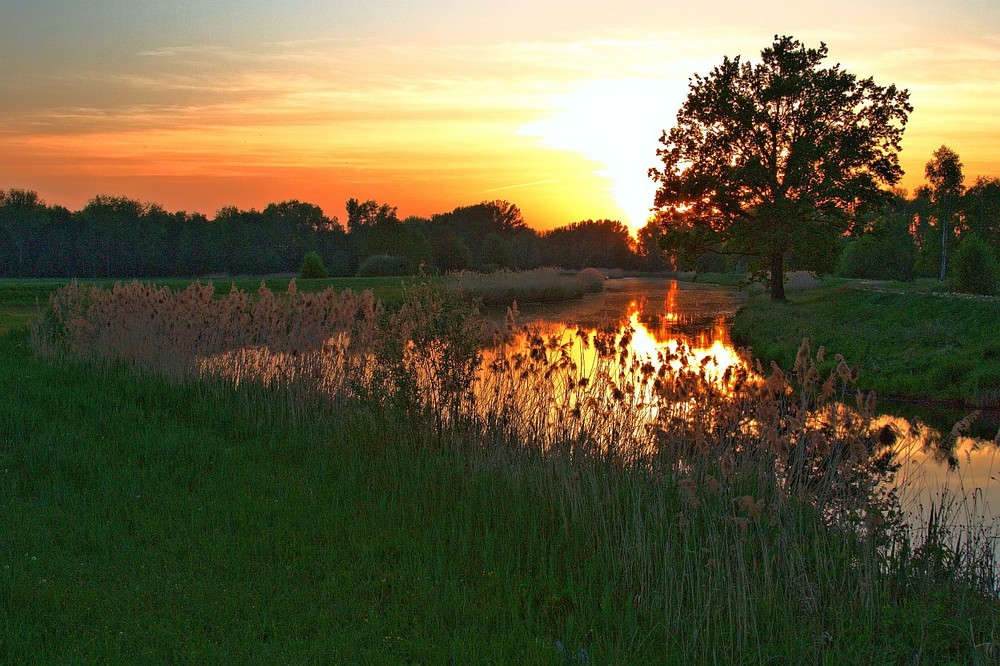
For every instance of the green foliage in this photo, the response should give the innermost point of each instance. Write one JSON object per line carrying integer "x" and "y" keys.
{"x": 448, "y": 251}
{"x": 398, "y": 239}
{"x": 981, "y": 207}
{"x": 312, "y": 267}
{"x": 384, "y": 265}
{"x": 494, "y": 253}
{"x": 433, "y": 353}
{"x": 975, "y": 267}
{"x": 604, "y": 243}
{"x": 148, "y": 521}
{"x": 910, "y": 343}
{"x": 733, "y": 164}
{"x": 944, "y": 173}
{"x": 882, "y": 255}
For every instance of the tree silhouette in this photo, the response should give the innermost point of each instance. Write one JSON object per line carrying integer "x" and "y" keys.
{"x": 944, "y": 173}
{"x": 774, "y": 157}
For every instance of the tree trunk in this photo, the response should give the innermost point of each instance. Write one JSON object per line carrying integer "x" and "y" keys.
{"x": 777, "y": 276}
{"x": 944, "y": 247}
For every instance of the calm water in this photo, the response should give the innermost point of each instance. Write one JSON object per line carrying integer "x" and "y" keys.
{"x": 663, "y": 313}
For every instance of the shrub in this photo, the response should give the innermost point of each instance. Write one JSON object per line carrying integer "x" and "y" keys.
{"x": 591, "y": 279}
{"x": 542, "y": 285}
{"x": 384, "y": 265}
{"x": 975, "y": 267}
{"x": 313, "y": 267}
{"x": 879, "y": 257}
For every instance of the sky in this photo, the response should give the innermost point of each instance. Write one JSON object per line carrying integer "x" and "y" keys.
{"x": 432, "y": 104}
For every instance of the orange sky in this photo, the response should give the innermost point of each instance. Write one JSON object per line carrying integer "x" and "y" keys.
{"x": 430, "y": 105}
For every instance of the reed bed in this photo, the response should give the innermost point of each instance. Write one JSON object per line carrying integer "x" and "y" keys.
{"x": 661, "y": 511}
{"x": 541, "y": 285}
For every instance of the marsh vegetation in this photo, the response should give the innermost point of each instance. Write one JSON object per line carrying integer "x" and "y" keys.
{"x": 403, "y": 493}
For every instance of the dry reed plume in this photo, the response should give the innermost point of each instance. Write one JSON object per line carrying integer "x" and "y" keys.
{"x": 587, "y": 393}
{"x": 322, "y": 339}
{"x": 674, "y": 477}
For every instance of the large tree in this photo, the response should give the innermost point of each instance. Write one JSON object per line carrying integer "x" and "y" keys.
{"x": 774, "y": 157}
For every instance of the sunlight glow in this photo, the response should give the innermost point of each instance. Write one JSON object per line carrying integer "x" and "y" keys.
{"x": 618, "y": 125}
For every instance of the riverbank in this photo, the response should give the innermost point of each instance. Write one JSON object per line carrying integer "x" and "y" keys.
{"x": 149, "y": 520}
{"x": 907, "y": 341}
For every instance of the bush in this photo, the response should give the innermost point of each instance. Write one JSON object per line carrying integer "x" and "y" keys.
{"x": 542, "y": 285}
{"x": 879, "y": 257}
{"x": 312, "y": 267}
{"x": 975, "y": 267}
{"x": 591, "y": 279}
{"x": 384, "y": 265}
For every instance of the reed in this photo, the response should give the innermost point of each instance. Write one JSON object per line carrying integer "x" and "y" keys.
{"x": 541, "y": 285}
{"x": 565, "y": 489}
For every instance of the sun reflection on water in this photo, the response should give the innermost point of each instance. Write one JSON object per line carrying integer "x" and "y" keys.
{"x": 671, "y": 323}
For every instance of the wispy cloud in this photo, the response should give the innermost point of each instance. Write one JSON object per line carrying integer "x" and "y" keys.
{"x": 534, "y": 183}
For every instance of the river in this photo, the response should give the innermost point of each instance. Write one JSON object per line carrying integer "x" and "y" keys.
{"x": 937, "y": 465}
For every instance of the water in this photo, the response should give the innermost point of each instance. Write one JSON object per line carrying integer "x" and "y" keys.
{"x": 665, "y": 313}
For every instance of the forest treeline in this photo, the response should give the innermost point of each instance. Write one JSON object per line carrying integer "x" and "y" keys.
{"x": 118, "y": 237}
{"x": 122, "y": 237}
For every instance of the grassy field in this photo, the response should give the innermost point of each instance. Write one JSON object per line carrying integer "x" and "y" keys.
{"x": 155, "y": 521}
{"x": 909, "y": 341}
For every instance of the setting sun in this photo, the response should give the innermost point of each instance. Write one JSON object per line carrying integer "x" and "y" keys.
{"x": 430, "y": 106}
{"x": 615, "y": 124}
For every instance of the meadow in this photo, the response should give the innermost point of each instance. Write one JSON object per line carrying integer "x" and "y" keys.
{"x": 909, "y": 340}
{"x": 184, "y": 478}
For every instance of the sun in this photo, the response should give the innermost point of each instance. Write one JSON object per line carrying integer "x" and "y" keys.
{"x": 616, "y": 124}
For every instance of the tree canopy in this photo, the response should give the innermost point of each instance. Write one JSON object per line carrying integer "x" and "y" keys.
{"x": 774, "y": 157}
{"x": 944, "y": 173}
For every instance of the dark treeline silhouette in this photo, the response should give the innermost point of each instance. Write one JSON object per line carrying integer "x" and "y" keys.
{"x": 118, "y": 237}
{"x": 902, "y": 238}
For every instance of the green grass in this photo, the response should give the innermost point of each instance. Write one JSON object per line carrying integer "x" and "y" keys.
{"x": 908, "y": 342}
{"x": 149, "y": 522}
{"x": 146, "y": 521}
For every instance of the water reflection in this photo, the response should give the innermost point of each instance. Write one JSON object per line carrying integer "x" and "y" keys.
{"x": 689, "y": 324}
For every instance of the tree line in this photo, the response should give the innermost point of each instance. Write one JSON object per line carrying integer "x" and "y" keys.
{"x": 119, "y": 237}
{"x": 902, "y": 237}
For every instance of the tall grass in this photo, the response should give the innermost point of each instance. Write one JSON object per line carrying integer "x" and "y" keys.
{"x": 541, "y": 285}
{"x": 623, "y": 507}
